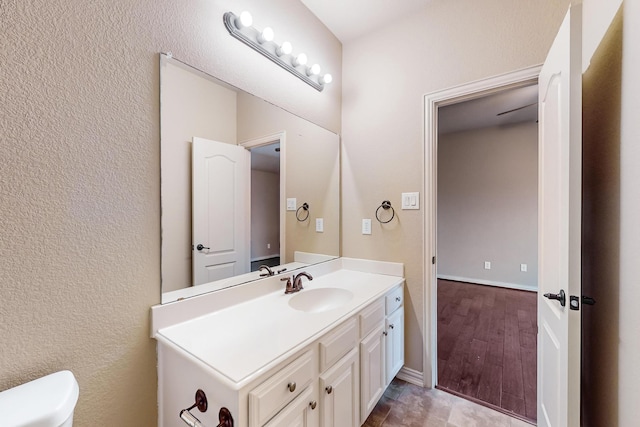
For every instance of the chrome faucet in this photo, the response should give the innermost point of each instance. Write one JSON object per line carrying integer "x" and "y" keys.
{"x": 268, "y": 273}
{"x": 294, "y": 284}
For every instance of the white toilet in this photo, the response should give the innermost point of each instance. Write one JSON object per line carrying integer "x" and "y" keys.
{"x": 46, "y": 402}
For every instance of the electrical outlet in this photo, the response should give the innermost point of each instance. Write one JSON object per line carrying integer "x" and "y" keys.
{"x": 268, "y": 245}
{"x": 319, "y": 225}
{"x": 291, "y": 204}
{"x": 366, "y": 226}
{"x": 523, "y": 268}
{"x": 487, "y": 265}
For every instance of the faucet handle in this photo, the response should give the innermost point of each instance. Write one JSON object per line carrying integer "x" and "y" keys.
{"x": 288, "y": 287}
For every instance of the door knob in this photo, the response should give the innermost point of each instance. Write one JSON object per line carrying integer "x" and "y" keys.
{"x": 560, "y": 297}
{"x": 201, "y": 247}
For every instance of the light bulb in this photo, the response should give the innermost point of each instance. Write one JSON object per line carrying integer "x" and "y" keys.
{"x": 326, "y": 79}
{"x": 244, "y": 20}
{"x": 301, "y": 59}
{"x": 266, "y": 35}
{"x": 314, "y": 70}
{"x": 284, "y": 49}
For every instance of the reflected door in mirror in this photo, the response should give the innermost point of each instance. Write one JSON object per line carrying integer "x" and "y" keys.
{"x": 221, "y": 180}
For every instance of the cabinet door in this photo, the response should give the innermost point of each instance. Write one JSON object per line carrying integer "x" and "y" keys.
{"x": 340, "y": 393}
{"x": 372, "y": 373}
{"x": 302, "y": 412}
{"x": 395, "y": 344}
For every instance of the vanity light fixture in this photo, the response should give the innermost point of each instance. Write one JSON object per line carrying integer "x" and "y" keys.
{"x": 240, "y": 27}
{"x": 284, "y": 49}
{"x": 266, "y": 35}
{"x": 314, "y": 70}
{"x": 300, "y": 59}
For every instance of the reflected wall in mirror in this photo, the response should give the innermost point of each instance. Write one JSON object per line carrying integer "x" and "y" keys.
{"x": 225, "y": 188}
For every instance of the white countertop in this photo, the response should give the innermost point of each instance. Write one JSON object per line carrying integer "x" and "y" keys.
{"x": 242, "y": 341}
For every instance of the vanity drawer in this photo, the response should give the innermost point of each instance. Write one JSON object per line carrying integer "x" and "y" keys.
{"x": 371, "y": 317}
{"x": 280, "y": 389}
{"x": 337, "y": 343}
{"x": 394, "y": 300}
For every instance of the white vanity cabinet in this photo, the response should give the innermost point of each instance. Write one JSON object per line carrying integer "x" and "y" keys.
{"x": 394, "y": 339}
{"x": 286, "y": 368}
{"x": 340, "y": 393}
{"x": 299, "y": 413}
{"x": 340, "y": 376}
{"x": 372, "y": 356}
{"x": 279, "y": 389}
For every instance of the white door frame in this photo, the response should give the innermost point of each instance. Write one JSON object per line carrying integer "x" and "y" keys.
{"x": 280, "y": 137}
{"x": 432, "y": 102}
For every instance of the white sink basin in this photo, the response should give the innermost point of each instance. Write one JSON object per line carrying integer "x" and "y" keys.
{"x": 319, "y": 300}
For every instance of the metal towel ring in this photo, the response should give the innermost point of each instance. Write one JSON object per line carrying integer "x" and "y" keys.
{"x": 385, "y": 205}
{"x": 305, "y": 207}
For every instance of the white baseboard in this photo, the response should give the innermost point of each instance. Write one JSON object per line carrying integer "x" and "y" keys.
{"x": 411, "y": 376}
{"x": 489, "y": 283}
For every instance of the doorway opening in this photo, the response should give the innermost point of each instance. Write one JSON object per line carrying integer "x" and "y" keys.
{"x": 265, "y": 205}
{"x": 267, "y": 196}
{"x": 481, "y": 242}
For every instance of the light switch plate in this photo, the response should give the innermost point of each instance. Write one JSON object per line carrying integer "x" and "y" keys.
{"x": 366, "y": 226}
{"x": 410, "y": 201}
{"x": 319, "y": 225}
{"x": 291, "y": 204}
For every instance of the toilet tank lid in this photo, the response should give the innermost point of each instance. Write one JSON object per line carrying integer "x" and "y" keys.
{"x": 44, "y": 402}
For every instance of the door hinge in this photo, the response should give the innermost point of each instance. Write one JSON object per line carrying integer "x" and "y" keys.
{"x": 433, "y": 260}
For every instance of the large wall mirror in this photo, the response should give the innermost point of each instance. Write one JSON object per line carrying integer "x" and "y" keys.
{"x": 236, "y": 175}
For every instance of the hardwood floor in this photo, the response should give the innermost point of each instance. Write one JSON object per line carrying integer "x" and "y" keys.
{"x": 487, "y": 345}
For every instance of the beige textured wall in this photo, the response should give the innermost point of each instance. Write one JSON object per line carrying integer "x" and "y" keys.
{"x": 79, "y": 182}
{"x": 629, "y": 344}
{"x": 385, "y": 77}
{"x": 602, "y": 84}
{"x": 312, "y": 173}
{"x": 611, "y": 208}
{"x": 488, "y": 205}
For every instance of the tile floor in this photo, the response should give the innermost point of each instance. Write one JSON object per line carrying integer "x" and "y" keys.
{"x": 407, "y": 405}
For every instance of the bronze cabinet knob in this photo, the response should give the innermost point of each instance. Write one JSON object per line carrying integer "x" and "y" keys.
{"x": 291, "y": 387}
{"x": 313, "y": 405}
{"x": 329, "y": 389}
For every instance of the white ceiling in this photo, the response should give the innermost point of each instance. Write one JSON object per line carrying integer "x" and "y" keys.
{"x": 483, "y": 112}
{"x": 349, "y": 19}
{"x": 266, "y": 158}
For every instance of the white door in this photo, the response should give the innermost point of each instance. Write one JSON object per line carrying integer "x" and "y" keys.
{"x": 221, "y": 198}
{"x": 559, "y": 220}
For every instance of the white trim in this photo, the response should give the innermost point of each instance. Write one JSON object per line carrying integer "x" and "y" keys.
{"x": 280, "y": 137}
{"x": 432, "y": 102}
{"x": 488, "y": 283}
{"x": 411, "y": 376}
